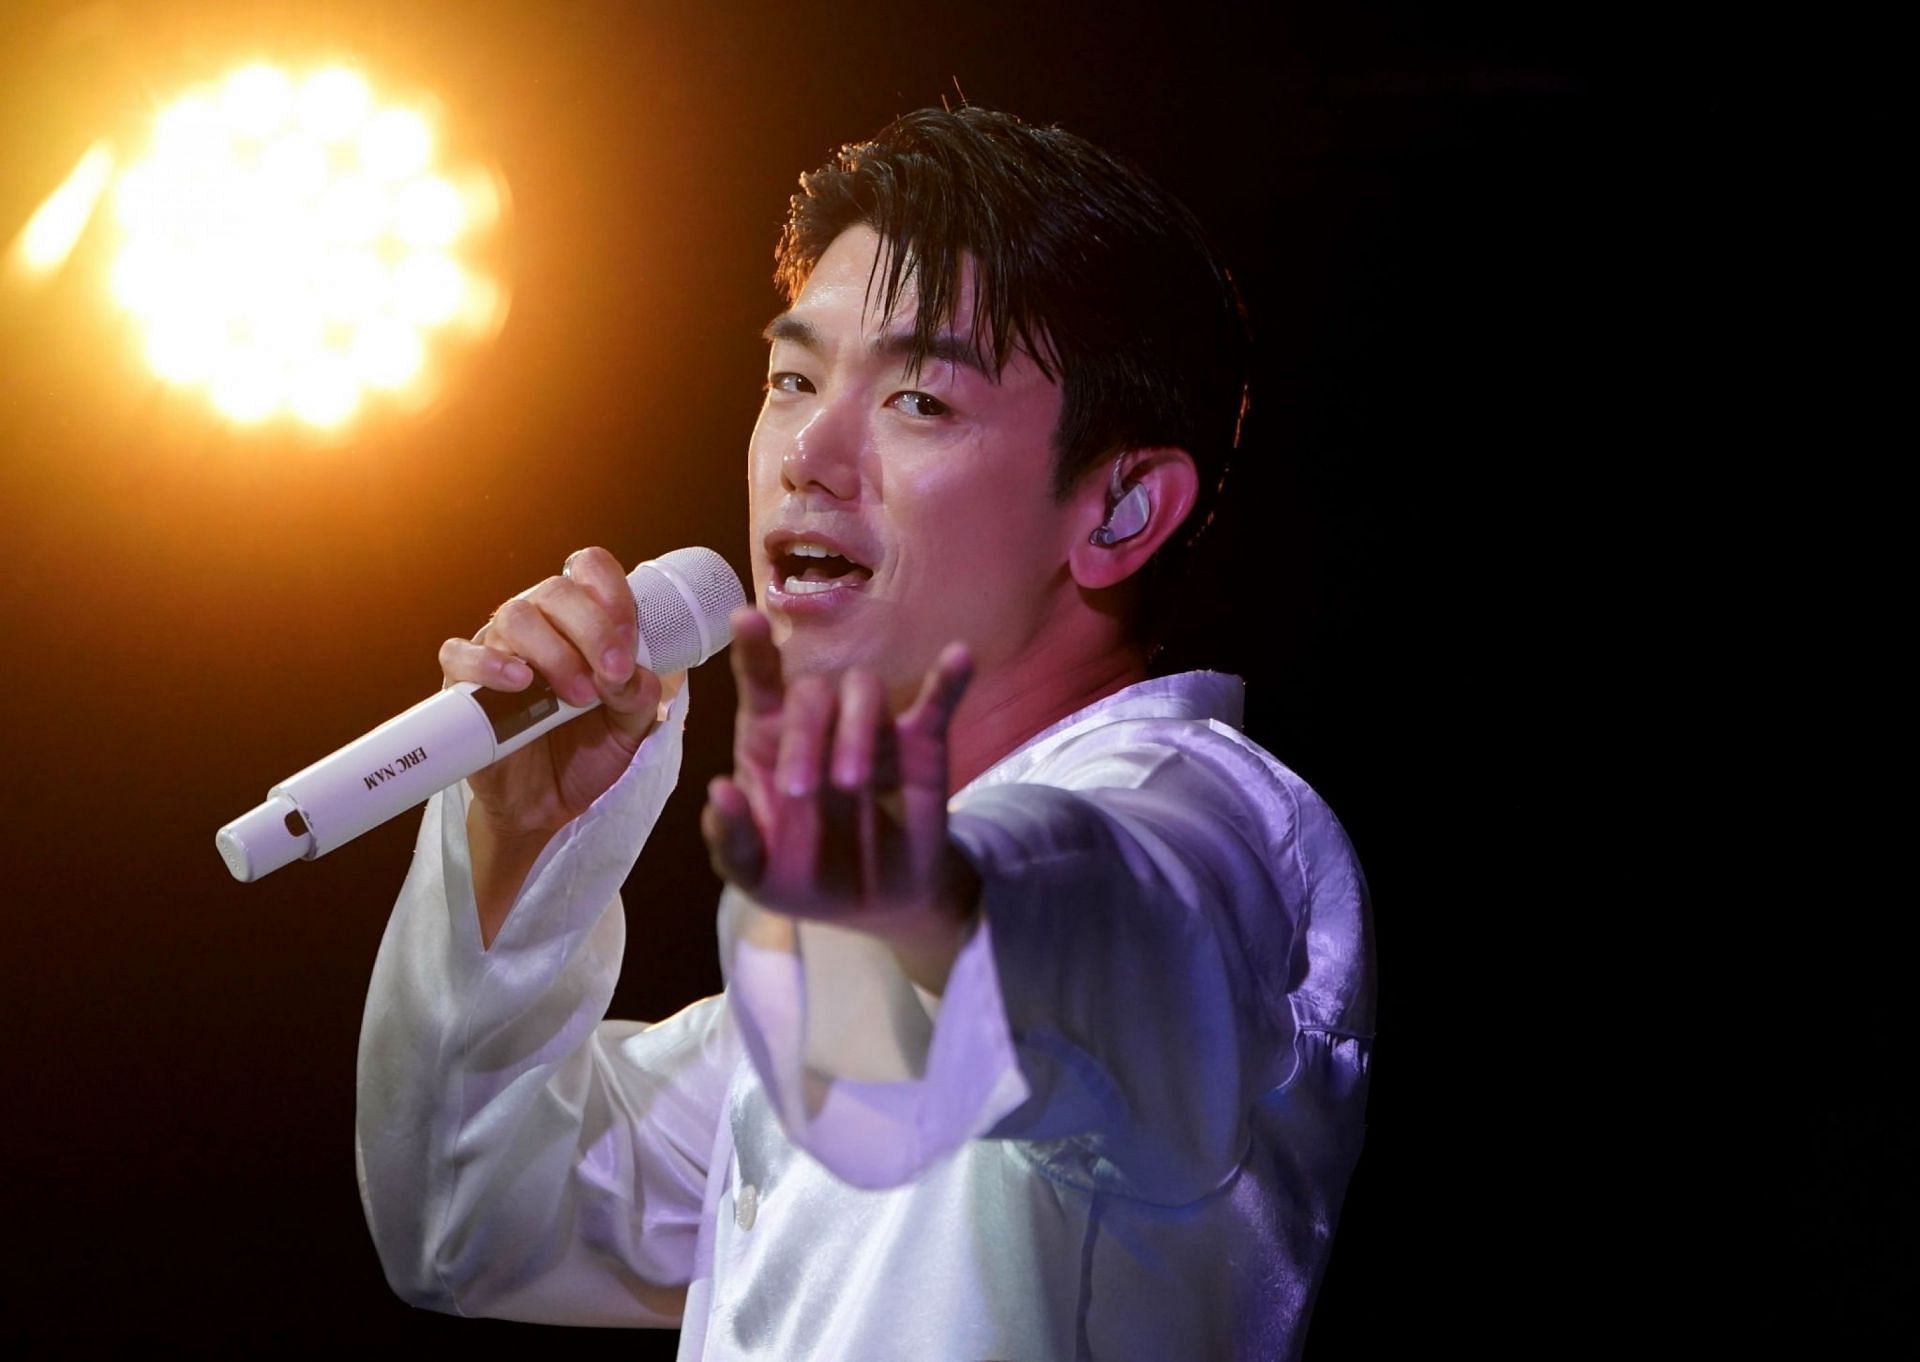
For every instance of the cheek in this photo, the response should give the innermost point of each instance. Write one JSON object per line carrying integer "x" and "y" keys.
{"x": 960, "y": 528}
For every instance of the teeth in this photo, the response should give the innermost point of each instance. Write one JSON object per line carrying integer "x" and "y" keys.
{"x": 796, "y": 586}
{"x": 809, "y": 551}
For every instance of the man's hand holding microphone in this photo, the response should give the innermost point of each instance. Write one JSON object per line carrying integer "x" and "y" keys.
{"x": 579, "y": 631}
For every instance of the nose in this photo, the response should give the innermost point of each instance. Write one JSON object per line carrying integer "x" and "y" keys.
{"x": 825, "y": 452}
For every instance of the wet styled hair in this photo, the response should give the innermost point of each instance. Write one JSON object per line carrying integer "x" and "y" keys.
{"x": 1081, "y": 261}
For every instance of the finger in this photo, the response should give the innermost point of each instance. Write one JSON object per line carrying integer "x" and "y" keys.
{"x": 634, "y": 706}
{"x": 856, "y": 728}
{"x": 886, "y": 756}
{"x": 733, "y": 842}
{"x": 521, "y": 628}
{"x": 922, "y": 733}
{"x": 755, "y": 662}
{"x": 846, "y": 804}
{"x": 462, "y": 660}
{"x": 597, "y": 624}
{"x": 599, "y": 574}
{"x": 806, "y": 720}
{"x": 932, "y": 710}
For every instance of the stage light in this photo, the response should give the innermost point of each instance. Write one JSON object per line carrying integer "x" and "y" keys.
{"x": 428, "y": 212}
{"x": 256, "y": 100}
{"x": 427, "y": 288}
{"x": 287, "y": 243}
{"x": 387, "y": 354}
{"x": 333, "y": 103}
{"x": 395, "y": 144}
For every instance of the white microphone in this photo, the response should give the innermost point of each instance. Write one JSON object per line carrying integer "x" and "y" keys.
{"x": 682, "y": 600}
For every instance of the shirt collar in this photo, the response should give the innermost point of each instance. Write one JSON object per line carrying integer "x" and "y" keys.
{"x": 1183, "y": 695}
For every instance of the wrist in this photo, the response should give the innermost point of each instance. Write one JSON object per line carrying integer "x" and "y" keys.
{"x": 510, "y": 829}
{"x": 500, "y": 858}
{"x": 926, "y": 942}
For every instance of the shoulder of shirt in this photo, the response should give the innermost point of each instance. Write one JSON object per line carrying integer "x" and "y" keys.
{"x": 1158, "y": 730}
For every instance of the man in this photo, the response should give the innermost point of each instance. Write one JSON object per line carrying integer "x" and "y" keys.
{"x": 1048, "y": 994}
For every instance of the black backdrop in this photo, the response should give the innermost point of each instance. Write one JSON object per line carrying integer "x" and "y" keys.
{"x": 1410, "y": 202}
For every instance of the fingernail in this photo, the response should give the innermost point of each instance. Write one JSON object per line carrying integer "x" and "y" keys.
{"x": 516, "y": 671}
{"x": 611, "y": 660}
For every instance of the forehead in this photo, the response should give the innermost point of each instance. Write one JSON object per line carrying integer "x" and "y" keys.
{"x": 851, "y": 275}
{"x": 844, "y": 297}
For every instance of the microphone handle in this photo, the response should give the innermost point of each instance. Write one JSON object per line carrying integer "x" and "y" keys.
{"x": 412, "y": 756}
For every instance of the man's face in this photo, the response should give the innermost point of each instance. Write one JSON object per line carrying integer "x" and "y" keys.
{"x": 931, "y": 491}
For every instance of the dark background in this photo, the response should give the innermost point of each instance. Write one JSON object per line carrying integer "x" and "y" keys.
{"x": 1417, "y": 208}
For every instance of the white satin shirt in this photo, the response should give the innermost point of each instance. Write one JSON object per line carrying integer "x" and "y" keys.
{"x": 1123, "y": 1131}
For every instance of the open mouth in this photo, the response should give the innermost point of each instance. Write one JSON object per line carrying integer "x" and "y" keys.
{"x": 802, "y": 568}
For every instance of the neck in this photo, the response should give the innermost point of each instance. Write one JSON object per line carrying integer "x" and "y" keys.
{"x": 1003, "y": 709}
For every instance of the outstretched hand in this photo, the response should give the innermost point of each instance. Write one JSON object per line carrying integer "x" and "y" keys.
{"x": 837, "y": 809}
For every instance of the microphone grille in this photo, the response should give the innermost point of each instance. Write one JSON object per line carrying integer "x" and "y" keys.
{"x": 683, "y": 599}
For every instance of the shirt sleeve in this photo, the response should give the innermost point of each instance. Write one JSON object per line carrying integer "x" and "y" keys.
{"x": 518, "y": 1156}
{"x": 1121, "y": 1004}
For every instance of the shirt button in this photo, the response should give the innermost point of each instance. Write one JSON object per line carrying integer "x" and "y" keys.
{"x": 746, "y": 1205}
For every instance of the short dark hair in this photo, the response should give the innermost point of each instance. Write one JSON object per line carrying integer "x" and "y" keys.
{"x": 1102, "y": 277}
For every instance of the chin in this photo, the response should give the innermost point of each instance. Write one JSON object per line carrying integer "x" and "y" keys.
{"x": 808, "y": 650}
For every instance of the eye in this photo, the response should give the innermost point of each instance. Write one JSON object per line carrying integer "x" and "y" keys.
{"x": 919, "y": 404}
{"x": 786, "y": 381}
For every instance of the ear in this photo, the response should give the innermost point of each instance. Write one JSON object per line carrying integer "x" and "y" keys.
{"x": 1170, "y": 483}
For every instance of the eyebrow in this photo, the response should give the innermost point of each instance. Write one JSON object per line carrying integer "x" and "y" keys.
{"x": 893, "y": 345}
